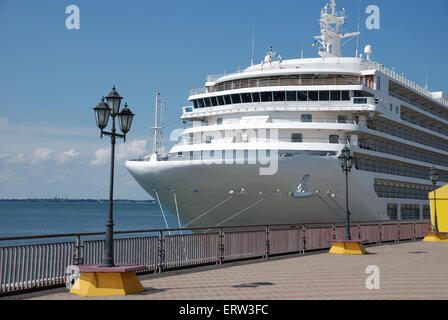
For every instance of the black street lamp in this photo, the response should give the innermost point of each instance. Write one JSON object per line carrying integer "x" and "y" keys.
{"x": 102, "y": 112}
{"x": 434, "y": 176}
{"x": 346, "y": 161}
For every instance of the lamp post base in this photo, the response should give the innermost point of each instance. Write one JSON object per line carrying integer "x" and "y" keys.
{"x": 436, "y": 237}
{"x": 96, "y": 281}
{"x": 349, "y": 247}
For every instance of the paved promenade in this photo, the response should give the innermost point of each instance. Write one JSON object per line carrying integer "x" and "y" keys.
{"x": 412, "y": 270}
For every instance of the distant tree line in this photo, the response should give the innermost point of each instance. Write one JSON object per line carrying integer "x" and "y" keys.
{"x": 76, "y": 200}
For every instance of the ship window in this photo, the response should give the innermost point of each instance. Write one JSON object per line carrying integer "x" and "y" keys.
{"x": 360, "y": 100}
{"x": 334, "y": 139}
{"x": 246, "y": 97}
{"x": 207, "y": 102}
{"x": 214, "y": 101}
{"x": 279, "y": 96}
{"x": 324, "y": 95}
{"x": 195, "y": 104}
{"x": 307, "y": 118}
{"x": 256, "y": 97}
{"x": 345, "y": 95}
{"x": 227, "y": 99}
{"x": 201, "y": 103}
{"x": 392, "y": 211}
{"x": 296, "y": 137}
{"x": 291, "y": 96}
{"x": 342, "y": 119}
{"x": 362, "y": 94}
{"x": 208, "y": 139}
{"x": 266, "y": 96}
{"x": 219, "y": 121}
{"x": 302, "y": 96}
{"x": 335, "y": 95}
{"x": 236, "y": 98}
{"x": 391, "y": 108}
{"x": 221, "y": 100}
{"x": 313, "y": 95}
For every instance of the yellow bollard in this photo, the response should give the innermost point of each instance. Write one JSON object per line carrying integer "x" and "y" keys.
{"x": 97, "y": 281}
{"x": 352, "y": 247}
{"x": 436, "y": 237}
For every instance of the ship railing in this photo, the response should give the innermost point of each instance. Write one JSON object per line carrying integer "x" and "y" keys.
{"x": 198, "y": 90}
{"x": 402, "y": 79}
{"x": 37, "y": 262}
{"x": 292, "y": 121}
{"x": 277, "y": 82}
{"x": 227, "y": 142}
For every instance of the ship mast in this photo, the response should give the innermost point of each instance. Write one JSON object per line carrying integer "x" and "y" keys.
{"x": 331, "y": 35}
{"x": 157, "y": 130}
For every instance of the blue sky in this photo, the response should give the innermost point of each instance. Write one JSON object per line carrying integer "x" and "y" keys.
{"x": 51, "y": 77}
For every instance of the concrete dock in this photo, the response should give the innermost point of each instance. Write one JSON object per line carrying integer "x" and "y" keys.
{"x": 410, "y": 270}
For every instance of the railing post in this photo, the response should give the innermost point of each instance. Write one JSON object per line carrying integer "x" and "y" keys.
{"x": 221, "y": 247}
{"x": 161, "y": 253}
{"x": 77, "y": 255}
{"x": 333, "y": 230}
{"x": 303, "y": 239}
{"x": 267, "y": 242}
{"x": 415, "y": 230}
{"x": 359, "y": 230}
{"x": 380, "y": 227}
{"x": 398, "y": 231}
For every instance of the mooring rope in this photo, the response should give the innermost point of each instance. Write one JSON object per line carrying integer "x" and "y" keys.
{"x": 208, "y": 211}
{"x": 177, "y": 211}
{"x": 239, "y": 212}
{"x": 178, "y": 221}
{"x": 163, "y": 213}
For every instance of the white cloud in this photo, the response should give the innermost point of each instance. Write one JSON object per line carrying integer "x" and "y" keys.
{"x": 101, "y": 157}
{"x": 42, "y": 154}
{"x": 67, "y": 156}
{"x": 20, "y": 158}
{"x": 125, "y": 151}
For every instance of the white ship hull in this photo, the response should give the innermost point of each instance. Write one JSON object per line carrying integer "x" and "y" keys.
{"x": 202, "y": 190}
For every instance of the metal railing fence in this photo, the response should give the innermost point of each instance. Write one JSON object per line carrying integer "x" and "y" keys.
{"x": 42, "y": 265}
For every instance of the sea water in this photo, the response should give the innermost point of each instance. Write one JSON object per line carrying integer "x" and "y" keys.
{"x": 39, "y": 218}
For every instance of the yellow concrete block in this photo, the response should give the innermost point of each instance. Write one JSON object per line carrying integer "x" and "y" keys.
{"x": 436, "y": 237}
{"x": 442, "y": 208}
{"x": 107, "y": 284}
{"x": 348, "y": 247}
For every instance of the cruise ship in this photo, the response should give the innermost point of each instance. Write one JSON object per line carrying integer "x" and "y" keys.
{"x": 262, "y": 145}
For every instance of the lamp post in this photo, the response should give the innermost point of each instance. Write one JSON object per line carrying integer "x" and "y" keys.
{"x": 102, "y": 113}
{"x": 346, "y": 163}
{"x": 434, "y": 176}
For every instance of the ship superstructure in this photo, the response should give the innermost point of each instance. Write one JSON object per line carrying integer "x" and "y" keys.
{"x": 263, "y": 144}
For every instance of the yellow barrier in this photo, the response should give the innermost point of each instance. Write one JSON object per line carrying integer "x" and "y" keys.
{"x": 442, "y": 208}
{"x": 96, "y": 280}
{"x": 348, "y": 247}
